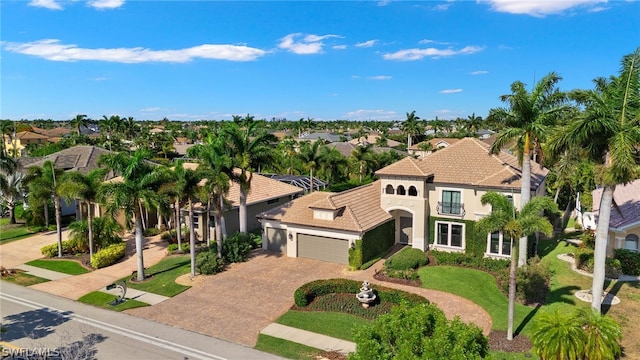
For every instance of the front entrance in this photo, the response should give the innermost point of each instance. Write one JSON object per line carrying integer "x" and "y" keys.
{"x": 406, "y": 230}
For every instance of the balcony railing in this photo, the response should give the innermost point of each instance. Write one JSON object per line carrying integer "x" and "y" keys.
{"x": 450, "y": 208}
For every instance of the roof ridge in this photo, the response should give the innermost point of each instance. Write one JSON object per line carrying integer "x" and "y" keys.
{"x": 354, "y": 217}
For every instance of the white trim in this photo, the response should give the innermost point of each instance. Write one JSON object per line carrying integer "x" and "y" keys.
{"x": 448, "y": 246}
{"x": 501, "y": 255}
{"x": 442, "y": 190}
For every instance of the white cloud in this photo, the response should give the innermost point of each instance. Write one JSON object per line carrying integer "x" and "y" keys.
{"x": 450, "y": 91}
{"x": 339, "y": 47}
{"x": 380, "y": 77}
{"x": 429, "y": 41}
{"x": 371, "y": 114}
{"x": 368, "y": 43}
{"x": 479, "y": 72}
{"x": 53, "y": 49}
{"x": 537, "y": 8}
{"x": 102, "y": 78}
{"x": 441, "y": 7}
{"x": 384, "y": 2}
{"x": 48, "y": 4}
{"x": 309, "y": 44}
{"x": 418, "y": 54}
{"x": 151, "y": 109}
{"x": 105, "y": 4}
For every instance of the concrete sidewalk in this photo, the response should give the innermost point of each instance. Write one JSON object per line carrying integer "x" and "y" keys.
{"x": 42, "y": 273}
{"x": 314, "y": 340}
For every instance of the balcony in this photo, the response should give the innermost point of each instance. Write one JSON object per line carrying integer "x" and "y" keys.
{"x": 450, "y": 208}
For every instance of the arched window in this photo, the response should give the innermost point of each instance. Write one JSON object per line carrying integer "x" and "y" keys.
{"x": 631, "y": 242}
{"x": 389, "y": 189}
{"x": 413, "y": 191}
{"x": 401, "y": 190}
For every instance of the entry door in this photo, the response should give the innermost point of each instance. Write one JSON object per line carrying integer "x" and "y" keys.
{"x": 406, "y": 230}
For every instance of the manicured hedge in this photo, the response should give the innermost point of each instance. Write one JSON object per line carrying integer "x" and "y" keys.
{"x": 470, "y": 260}
{"x": 108, "y": 256}
{"x": 373, "y": 245}
{"x": 629, "y": 261}
{"x": 68, "y": 247}
{"x": 305, "y": 294}
{"x": 405, "y": 259}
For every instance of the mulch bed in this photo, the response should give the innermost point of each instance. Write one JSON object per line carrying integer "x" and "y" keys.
{"x": 498, "y": 342}
{"x": 380, "y": 275}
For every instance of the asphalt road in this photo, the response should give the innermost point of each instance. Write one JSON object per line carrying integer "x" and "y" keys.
{"x": 41, "y": 323}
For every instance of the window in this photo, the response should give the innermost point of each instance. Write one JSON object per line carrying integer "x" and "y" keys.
{"x": 450, "y": 202}
{"x": 389, "y": 189}
{"x": 196, "y": 218}
{"x": 631, "y": 242}
{"x": 450, "y": 234}
{"x": 401, "y": 190}
{"x": 413, "y": 191}
{"x": 498, "y": 245}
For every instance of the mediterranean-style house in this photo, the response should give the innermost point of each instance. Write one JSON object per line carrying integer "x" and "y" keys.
{"x": 624, "y": 221}
{"x": 429, "y": 203}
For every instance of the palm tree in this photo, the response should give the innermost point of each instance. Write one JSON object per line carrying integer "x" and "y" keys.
{"x": 364, "y": 158}
{"x": 186, "y": 184}
{"x": 473, "y": 123}
{"x": 609, "y": 132}
{"x": 411, "y": 127}
{"x": 78, "y": 122}
{"x": 249, "y": 147}
{"x": 528, "y": 119}
{"x": 333, "y": 164}
{"x": 558, "y": 335}
{"x": 46, "y": 181}
{"x": 85, "y": 188}
{"x": 311, "y": 157}
{"x": 603, "y": 335}
{"x": 6, "y": 130}
{"x": 513, "y": 225}
{"x": 136, "y": 188}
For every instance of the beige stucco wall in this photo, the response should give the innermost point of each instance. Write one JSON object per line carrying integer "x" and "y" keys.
{"x": 417, "y": 206}
{"x": 617, "y": 238}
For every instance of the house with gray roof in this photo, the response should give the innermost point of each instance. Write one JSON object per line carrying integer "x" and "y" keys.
{"x": 624, "y": 220}
{"x": 429, "y": 203}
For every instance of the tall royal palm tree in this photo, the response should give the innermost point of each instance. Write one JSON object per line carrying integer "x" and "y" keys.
{"x": 10, "y": 184}
{"x": 136, "y": 188}
{"x": 78, "y": 122}
{"x": 46, "y": 181}
{"x": 608, "y": 129}
{"x": 249, "y": 147}
{"x": 411, "y": 127}
{"x": 528, "y": 118}
{"x": 514, "y": 225}
{"x": 84, "y": 188}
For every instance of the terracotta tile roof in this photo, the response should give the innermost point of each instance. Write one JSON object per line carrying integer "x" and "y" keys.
{"x": 357, "y": 209}
{"x": 626, "y": 208}
{"x": 347, "y": 148}
{"x": 79, "y": 158}
{"x": 468, "y": 162}
{"x": 434, "y": 143}
{"x": 25, "y": 135}
{"x": 405, "y": 167}
{"x": 262, "y": 189}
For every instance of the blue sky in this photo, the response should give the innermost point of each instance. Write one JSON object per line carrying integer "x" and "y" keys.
{"x": 354, "y": 60}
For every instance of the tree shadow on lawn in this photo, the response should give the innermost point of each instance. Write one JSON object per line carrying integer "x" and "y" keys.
{"x": 33, "y": 324}
{"x": 561, "y": 295}
{"x": 526, "y": 320}
{"x": 617, "y": 285}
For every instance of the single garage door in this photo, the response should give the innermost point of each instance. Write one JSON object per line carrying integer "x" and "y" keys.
{"x": 277, "y": 240}
{"x": 323, "y": 248}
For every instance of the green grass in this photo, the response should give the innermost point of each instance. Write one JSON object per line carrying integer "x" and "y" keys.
{"x": 332, "y": 324}
{"x": 23, "y": 279}
{"x": 285, "y": 348}
{"x": 162, "y": 277}
{"x": 497, "y": 355}
{"x": 10, "y": 233}
{"x": 100, "y": 299}
{"x": 63, "y": 266}
{"x": 477, "y": 286}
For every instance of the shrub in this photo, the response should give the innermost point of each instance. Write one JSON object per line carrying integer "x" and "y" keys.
{"x": 172, "y": 248}
{"x": 208, "y": 263}
{"x": 584, "y": 259}
{"x": 68, "y": 248}
{"x": 588, "y": 239}
{"x": 532, "y": 283}
{"x": 106, "y": 231}
{"x": 109, "y": 255}
{"x": 612, "y": 268}
{"x": 471, "y": 261}
{"x": 236, "y": 247}
{"x": 306, "y": 293}
{"x": 151, "y": 232}
{"x": 405, "y": 259}
{"x": 355, "y": 255}
{"x": 409, "y": 274}
{"x": 629, "y": 261}
{"x": 171, "y": 236}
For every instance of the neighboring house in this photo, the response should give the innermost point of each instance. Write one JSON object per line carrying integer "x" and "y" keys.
{"x": 373, "y": 139}
{"x": 436, "y": 144}
{"x": 624, "y": 221}
{"x": 431, "y": 203}
{"x": 347, "y": 148}
{"x": 18, "y": 144}
{"x": 327, "y": 137}
{"x": 484, "y": 133}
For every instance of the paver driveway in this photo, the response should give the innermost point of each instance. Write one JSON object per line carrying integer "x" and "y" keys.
{"x": 239, "y": 302}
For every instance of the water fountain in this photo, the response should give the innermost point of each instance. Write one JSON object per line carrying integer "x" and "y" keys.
{"x": 366, "y": 295}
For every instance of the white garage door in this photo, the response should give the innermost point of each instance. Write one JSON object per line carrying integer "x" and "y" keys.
{"x": 277, "y": 240}
{"x": 323, "y": 248}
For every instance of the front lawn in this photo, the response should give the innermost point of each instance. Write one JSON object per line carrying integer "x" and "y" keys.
{"x": 285, "y": 348}
{"x": 332, "y": 324}
{"x": 161, "y": 277}
{"x": 24, "y": 279}
{"x": 14, "y": 232}
{"x": 100, "y": 299}
{"x": 62, "y": 266}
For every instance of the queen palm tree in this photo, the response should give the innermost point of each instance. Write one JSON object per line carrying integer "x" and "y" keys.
{"x": 311, "y": 157}
{"x": 557, "y": 335}
{"x": 249, "y": 147}
{"x": 79, "y": 121}
{"x": 609, "y": 132}
{"x": 85, "y": 188}
{"x": 528, "y": 119}
{"x": 514, "y": 225}
{"x": 46, "y": 181}
{"x": 136, "y": 188}
{"x": 333, "y": 164}
{"x": 411, "y": 127}
{"x": 364, "y": 158}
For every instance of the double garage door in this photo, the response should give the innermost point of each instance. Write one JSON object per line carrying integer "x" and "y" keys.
{"x": 323, "y": 248}
{"x": 311, "y": 246}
